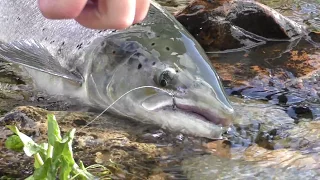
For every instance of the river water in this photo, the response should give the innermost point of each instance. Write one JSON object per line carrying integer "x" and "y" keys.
{"x": 276, "y": 134}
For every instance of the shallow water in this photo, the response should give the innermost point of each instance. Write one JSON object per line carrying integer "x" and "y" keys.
{"x": 305, "y": 12}
{"x": 275, "y": 135}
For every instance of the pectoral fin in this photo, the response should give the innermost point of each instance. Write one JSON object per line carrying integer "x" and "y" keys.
{"x": 33, "y": 55}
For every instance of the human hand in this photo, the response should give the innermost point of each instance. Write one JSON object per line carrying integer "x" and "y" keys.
{"x": 97, "y": 14}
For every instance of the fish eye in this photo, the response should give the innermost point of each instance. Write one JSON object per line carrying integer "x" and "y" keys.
{"x": 166, "y": 77}
{"x": 163, "y": 83}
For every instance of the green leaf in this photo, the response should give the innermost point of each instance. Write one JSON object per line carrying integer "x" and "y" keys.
{"x": 36, "y": 164}
{"x": 84, "y": 172}
{"x": 63, "y": 155}
{"x": 53, "y": 130}
{"x": 30, "y": 147}
{"x": 64, "y": 147}
{"x": 67, "y": 151}
{"x": 42, "y": 153}
{"x": 81, "y": 166}
{"x": 45, "y": 171}
{"x": 14, "y": 143}
{"x": 81, "y": 173}
{"x": 51, "y": 158}
{"x": 65, "y": 169}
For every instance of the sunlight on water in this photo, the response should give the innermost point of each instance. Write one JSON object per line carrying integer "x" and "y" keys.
{"x": 307, "y": 12}
{"x": 212, "y": 167}
{"x": 276, "y": 131}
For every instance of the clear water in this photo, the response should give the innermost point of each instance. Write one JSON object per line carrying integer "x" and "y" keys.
{"x": 275, "y": 89}
{"x": 276, "y": 134}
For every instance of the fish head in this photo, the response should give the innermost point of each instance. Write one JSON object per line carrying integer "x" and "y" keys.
{"x": 161, "y": 80}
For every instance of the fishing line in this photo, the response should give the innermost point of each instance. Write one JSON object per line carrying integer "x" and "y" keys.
{"x": 141, "y": 87}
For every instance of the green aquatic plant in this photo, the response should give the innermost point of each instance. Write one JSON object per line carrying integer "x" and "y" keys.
{"x": 52, "y": 160}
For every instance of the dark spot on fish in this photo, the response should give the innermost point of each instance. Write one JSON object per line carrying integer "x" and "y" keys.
{"x": 46, "y": 38}
{"x": 152, "y": 44}
{"x": 167, "y": 48}
{"x": 158, "y": 36}
{"x": 79, "y": 46}
{"x": 62, "y": 43}
{"x": 177, "y": 71}
{"x": 102, "y": 31}
{"x": 18, "y": 18}
{"x": 139, "y": 66}
{"x": 103, "y": 44}
{"x": 151, "y": 12}
{"x": 43, "y": 29}
{"x": 52, "y": 42}
{"x": 113, "y": 52}
{"x": 154, "y": 63}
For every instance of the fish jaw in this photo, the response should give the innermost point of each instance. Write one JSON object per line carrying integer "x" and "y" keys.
{"x": 195, "y": 113}
{"x": 210, "y": 115}
{"x": 203, "y": 99}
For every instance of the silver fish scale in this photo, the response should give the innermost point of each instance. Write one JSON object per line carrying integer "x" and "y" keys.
{"x": 22, "y": 19}
{"x": 65, "y": 39}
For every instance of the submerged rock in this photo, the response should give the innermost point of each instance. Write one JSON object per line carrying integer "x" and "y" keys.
{"x": 259, "y": 53}
{"x": 304, "y": 137}
{"x": 254, "y": 163}
{"x": 233, "y": 24}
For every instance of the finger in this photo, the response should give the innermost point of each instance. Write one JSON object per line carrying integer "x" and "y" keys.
{"x": 108, "y": 14}
{"x": 142, "y": 8}
{"x": 61, "y": 9}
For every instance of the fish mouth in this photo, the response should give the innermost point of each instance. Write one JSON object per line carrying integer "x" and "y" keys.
{"x": 190, "y": 109}
{"x": 202, "y": 114}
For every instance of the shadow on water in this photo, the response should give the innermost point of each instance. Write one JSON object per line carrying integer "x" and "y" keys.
{"x": 285, "y": 74}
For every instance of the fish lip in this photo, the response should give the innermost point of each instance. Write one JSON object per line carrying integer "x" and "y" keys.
{"x": 205, "y": 114}
{"x": 174, "y": 104}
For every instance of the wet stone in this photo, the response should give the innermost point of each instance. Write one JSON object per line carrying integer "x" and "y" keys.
{"x": 214, "y": 167}
{"x": 174, "y": 6}
{"x": 79, "y": 122}
{"x": 281, "y": 158}
{"x": 224, "y": 25}
{"x": 304, "y": 137}
{"x": 16, "y": 118}
{"x": 109, "y": 141}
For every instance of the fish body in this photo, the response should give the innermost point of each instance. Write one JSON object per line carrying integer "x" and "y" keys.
{"x": 182, "y": 90}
